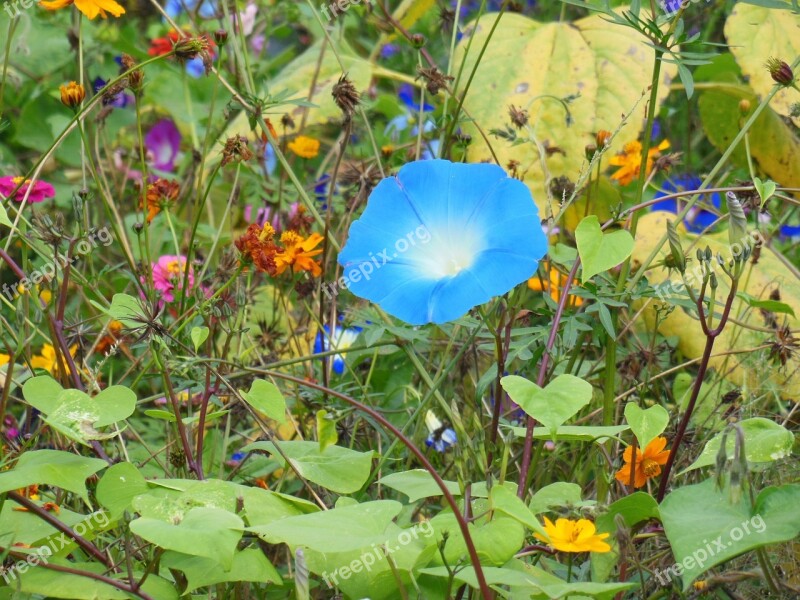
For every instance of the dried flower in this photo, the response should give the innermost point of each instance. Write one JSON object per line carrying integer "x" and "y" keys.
{"x": 435, "y": 79}
{"x": 346, "y": 96}
{"x": 160, "y": 193}
{"x": 236, "y": 149}
{"x": 519, "y": 116}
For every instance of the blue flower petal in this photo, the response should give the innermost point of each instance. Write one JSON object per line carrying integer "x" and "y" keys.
{"x": 441, "y": 238}
{"x": 698, "y": 218}
{"x": 790, "y": 230}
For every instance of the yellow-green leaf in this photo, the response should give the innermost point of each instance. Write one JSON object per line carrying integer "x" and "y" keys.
{"x": 529, "y": 64}
{"x": 754, "y": 35}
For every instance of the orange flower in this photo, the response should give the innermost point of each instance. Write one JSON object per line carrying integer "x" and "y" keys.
{"x": 298, "y": 253}
{"x": 647, "y": 465}
{"x": 91, "y": 8}
{"x": 557, "y": 282}
{"x": 72, "y": 94}
{"x": 258, "y": 246}
{"x": 304, "y": 146}
{"x": 567, "y": 535}
{"x": 109, "y": 339}
{"x": 630, "y": 160}
{"x": 160, "y": 193}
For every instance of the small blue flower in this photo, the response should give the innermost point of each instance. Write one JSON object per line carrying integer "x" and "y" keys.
{"x": 439, "y": 238}
{"x": 407, "y": 95}
{"x": 322, "y": 188}
{"x": 208, "y": 8}
{"x": 389, "y": 50}
{"x": 195, "y": 67}
{"x": 790, "y": 230}
{"x": 341, "y": 339}
{"x": 440, "y": 437}
{"x": 698, "y": 218}
{"x": 270, "y": 159}
{"x": 399, "y": 124}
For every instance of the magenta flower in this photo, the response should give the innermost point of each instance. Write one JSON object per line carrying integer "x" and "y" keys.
{"x": 41, "y": 189}
{"x": 163, "y": 142}
{"x": 168, "y": 275}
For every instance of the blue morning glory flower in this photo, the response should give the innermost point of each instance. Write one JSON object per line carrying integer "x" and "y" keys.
{"x": 439, "y": 238}
{"x": 440, "y": 437}
{"x": 697, "y": 218}
{"x": 399, "y": 124}
{"x": 341, "y": 339}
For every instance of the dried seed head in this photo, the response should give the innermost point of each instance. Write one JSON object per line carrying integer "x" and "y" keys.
{"x": 434, "y": 78}
{"x": 346, "y": 96}
{"x": 519, "y": 116}
{"x": 236, "y": 149}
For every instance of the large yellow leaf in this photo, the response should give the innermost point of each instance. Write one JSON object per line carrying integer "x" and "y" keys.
{"x": 755, "y": 34}
{"x": 528, "y": 63}
{"x": 753, "y": 370}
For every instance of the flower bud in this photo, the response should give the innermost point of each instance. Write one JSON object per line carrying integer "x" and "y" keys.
{"x": 418, "y": 40}
{"x": 72, "y": 94}
{"x": 780, "y": 71}
{"x": 221, "y": 37}
{"x": 744, "y": 106}
{"x": 602, "y": 138}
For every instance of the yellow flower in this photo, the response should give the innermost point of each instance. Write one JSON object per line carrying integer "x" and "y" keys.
{"x": 556, "y": 283}
{"x": 47, "y": 359}
{"x": 630, "y": 161}
{"x": 72, "y": 94}
{"x": 91, "y": 8}
{"x": 304, "y": 146}
{"x": 4, "y": 359}
{"x": 647, "y": 465}
{"x": 573, "y": 536}
{"x": 299, "y": 253}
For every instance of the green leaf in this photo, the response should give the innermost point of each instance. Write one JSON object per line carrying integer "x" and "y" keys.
{"x": 557, "y": 495}
{"x": 764, "y": 441}
{"x": 704, "y": 529}
{"x": 120, "y": 484}
{"x": 248, "y": 565}
{"x": 199, "y": 335}
{"x": 209, "y": 532}
{"x": 765, "y": 189}
{"x": 768, "y": 305}
{"x": 634, "y": 508}
{"x": 74, "y": 413}
{"x": 417, "y": 484}
{"x": 126, "y": 309}
{"x": 52, "y": 467}
{"x": 552, "y": 405}
{"x": 336, "y": 530}
{"x": 265, "y": 397}
{"x": 326, "y": 430}
{"x": 4, "y": 220}
{"x": 338, "y": 469}
{"x": 646, "y": 424}
{"x": 496, "y": 541}
{"x": 575, "y": 433}
{"x": 505, "y": 501}
{"x": 600, "y": 251}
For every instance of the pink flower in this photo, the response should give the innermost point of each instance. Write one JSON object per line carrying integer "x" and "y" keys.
{"x": 168, "y": 275}
{"x": 41, "y": 189}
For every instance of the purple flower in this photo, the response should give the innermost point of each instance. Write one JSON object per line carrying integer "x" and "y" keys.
{"x": 163, "y": 142}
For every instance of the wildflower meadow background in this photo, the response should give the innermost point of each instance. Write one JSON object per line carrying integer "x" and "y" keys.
{"x": 399, "y": 299}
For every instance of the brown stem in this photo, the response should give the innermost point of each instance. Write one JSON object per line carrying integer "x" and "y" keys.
{"x": 486, "y": 593}
{"x": 711, "y": 336}
{"x": 40, "y": 512}
{"x": 562, "y": 303}
{"x": 499, "y": 394}
{"x": 187, "y": 449}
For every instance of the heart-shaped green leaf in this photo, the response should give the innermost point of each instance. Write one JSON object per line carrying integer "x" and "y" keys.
{"x": 553, "y": 404}
{"x": 600, "y": 251}
{"x": 647, "y": 423}
{"x": 199, "y": 335}
{"x": 265, "y": 397}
